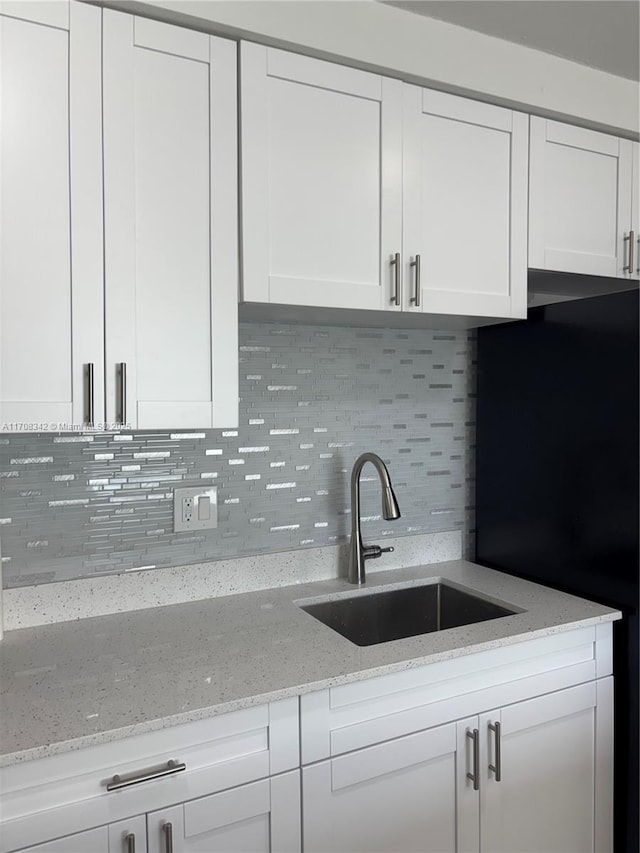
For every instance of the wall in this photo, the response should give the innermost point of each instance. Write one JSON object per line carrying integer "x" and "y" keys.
{"x": 418, "y": 49}
{"x": 312, "y": 399}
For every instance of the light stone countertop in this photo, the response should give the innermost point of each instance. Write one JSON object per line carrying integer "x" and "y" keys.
{"x": 75, "y": 684}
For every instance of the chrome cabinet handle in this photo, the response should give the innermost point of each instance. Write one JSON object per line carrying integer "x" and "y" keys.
{"x": 497, "y": 767}
{"x": 89, "y": 414}
{"x": 416, "y": 297}
{"x": 475, "y": 778}
{"x": 167, "y": 831}
{"x": 130, "y": 843}
{"x": 122, "y": 367}
{"x": 638, "y": 267}
{"x": 631, "y": 237}
{"x": 128, "y": 779}
{"x": 395, "y": 262}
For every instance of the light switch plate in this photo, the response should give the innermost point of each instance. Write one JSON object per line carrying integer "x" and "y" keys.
{"x": 185, "y": 509}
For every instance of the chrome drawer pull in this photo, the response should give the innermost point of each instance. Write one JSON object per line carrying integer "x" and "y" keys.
{"x": 128, "y": 779}
{"x": 89, "y": 414}
{"x": 395, "y": 262}
{"x": 130, "y": 843}
{"x": 122, "y": 369}
{"x": 415, "y": 299}
{"x": 631, "y": 237}
{"x": 497, "y": 767}
{"x": 475, "y": 778}
{"x": 167, "y": 830}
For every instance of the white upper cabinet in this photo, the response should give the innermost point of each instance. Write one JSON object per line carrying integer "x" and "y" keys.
{"x": 321, "y": 181}
{"x": 170, "y": 203}
{"x": 348, "y": 177}
{"x": 580, "y": 200}
{"x": 50, "y": 215}
{"x": 94, "y": 99}
{"x": 634, "y": 272}
{"x": 465, "y": 206}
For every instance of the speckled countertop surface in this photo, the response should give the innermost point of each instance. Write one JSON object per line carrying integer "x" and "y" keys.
{"x": 74, "y": 684}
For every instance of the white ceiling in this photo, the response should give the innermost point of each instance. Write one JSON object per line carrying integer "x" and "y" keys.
{"x": 603, "y": 34}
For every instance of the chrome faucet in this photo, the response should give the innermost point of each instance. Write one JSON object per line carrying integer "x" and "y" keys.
{"x": 358, "y": 552}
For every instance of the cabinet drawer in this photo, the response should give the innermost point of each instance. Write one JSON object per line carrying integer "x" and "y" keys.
{"x": 352, "y": 716}
{"x": 217, "y": 753}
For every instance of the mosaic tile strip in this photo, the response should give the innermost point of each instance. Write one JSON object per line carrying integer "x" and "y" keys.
{"x": 311, "y": 399}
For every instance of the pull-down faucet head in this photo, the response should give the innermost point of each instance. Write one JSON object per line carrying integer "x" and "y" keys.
{"x": 390, "y": 508}
{"x": 358, "y": 552}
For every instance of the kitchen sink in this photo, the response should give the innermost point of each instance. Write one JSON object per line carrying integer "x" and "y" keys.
{"x": 378, "y": 617}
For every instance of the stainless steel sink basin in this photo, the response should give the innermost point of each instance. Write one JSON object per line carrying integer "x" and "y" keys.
{"x": 378, "y": 617}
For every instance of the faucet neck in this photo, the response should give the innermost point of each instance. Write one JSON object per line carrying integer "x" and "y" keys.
{"x": 356, "y": 548}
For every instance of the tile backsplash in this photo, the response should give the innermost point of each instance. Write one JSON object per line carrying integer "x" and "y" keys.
{"x": 311, "y": 399}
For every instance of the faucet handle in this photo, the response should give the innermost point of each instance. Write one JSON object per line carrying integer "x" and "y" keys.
{"x": 374, "y": 551}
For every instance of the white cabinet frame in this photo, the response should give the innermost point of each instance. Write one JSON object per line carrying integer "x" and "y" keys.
{"x": 47, "y": 798}
{"x": 546, "y": 249}
{"x": 259, "y": 66}
{"x": 489, "y": 130}
{"x": 76, "y": 342}
{"x": 123, "y": 35}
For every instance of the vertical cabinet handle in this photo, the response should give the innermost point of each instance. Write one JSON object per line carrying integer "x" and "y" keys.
{"x": 130, "y": 843}
{"x": 415, "y": 299}
{"x": 89, "y": 414}
{"x": 395, "y": 262}
{"x": 122, "y": 369}
{"x": 497, "y": 767}
{"x": 167, "y": 831}
{"x": 475, "y": 778}
{"x": 638, "y": 247}
{"x": 631, "y": 238}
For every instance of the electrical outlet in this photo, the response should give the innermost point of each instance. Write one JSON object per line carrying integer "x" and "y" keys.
{"x": 195, "y": 509}
{"x": 187, "y": 510}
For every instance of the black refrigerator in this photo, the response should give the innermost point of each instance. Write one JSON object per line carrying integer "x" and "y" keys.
{"x": 557, "y": 482}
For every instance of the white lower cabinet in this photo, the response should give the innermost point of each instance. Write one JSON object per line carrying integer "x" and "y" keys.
{"x": 527, "y": 778}
{"x": 261, "y": 817}
{"x": 409, "y": 794}
{"x": 125, "y": 836}
{"x": 228, "y": 783}
{"x": 542, "y": 773}
{"x": 508, "y": 750}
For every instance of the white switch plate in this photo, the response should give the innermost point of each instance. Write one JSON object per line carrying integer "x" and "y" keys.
{"x": 185, "y": 509}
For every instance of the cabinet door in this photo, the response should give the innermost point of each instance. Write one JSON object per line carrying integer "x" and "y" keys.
{"x": 580, "y": 199}
{"x": 126, "y": 836}
{"x": 465, "y": 206}
{"x": 554, "y": 767}
{"x": 170, "y": 159}
{"x": 321, "y": 181}
{"x": 91, "y": 841}
{"x": 262, "y": 817}
{"x": 51, "y": 216}
{"x": 407, "y": 794}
